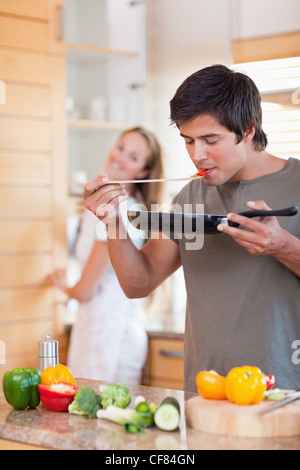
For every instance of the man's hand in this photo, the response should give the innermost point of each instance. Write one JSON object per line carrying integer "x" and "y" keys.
{"x": 103, "y": 199}
{"x": 263, "y": 237}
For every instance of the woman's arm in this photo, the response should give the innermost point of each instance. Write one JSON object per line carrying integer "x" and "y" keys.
{"x": 95, "y": 268}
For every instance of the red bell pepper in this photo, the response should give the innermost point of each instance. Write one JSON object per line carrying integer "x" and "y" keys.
{"x": 270, "y": 381}
{"x": 57, "y": 397}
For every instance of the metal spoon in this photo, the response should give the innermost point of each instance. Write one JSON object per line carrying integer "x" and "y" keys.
{"x": 158, "y": 180}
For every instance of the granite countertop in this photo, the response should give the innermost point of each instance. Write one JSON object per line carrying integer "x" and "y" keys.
{"x": 63, "y": 431}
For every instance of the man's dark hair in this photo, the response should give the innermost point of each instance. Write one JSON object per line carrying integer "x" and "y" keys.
{"x": 232, "y": 98}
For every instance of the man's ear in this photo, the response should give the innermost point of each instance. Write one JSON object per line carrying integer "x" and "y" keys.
{"x": 142, "y": 175}
{"x": 249, "y": 134}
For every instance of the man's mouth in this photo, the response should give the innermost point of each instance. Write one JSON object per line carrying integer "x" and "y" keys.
{"x": 207, "y": 170}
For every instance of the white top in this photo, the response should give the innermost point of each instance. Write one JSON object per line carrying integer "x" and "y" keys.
{"x": 102, "y": 321}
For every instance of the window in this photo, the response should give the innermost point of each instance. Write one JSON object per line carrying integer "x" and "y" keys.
{"x": 279, "y": 84}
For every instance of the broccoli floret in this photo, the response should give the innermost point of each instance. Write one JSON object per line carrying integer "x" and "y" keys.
{"x": 86, "y": 402}
{"x": 114, "y": 394}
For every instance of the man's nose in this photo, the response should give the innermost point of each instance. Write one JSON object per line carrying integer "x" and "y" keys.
{"x": 199, "y": 153}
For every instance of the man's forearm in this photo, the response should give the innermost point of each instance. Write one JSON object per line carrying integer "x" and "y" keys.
{"x": 289, "y": 255}
{"x": 132, "y": 267}
{"x": 140, "y": 272}
{"x": 130, "y": 264}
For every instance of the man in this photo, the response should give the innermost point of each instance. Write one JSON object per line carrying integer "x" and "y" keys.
{"x": 243, "y": 286}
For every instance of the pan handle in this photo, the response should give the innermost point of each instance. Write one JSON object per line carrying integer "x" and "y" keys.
{"x": 261, "y": 213}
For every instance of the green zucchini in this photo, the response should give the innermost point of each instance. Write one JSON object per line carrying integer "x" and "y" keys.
{"x": 167, "y": 415}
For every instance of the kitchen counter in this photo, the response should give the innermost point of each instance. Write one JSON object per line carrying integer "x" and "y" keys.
{"x": 41, "y": 428}
{"x": 169, "y": 326}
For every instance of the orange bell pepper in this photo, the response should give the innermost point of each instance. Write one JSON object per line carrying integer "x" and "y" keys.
{"x": 54, "y": 375}
{"x": 211, "y": 385}
{"x": 245, "y": 385}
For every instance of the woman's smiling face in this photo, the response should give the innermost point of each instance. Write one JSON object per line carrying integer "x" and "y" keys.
{"x": 128, "y": 158}
{"x": 213, "y": 148}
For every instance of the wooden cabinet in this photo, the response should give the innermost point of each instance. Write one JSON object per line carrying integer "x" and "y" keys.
{"x": 33, "y": 176}
{"x": 165, "y": 363}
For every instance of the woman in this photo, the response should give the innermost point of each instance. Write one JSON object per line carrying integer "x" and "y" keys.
{"x": 108, "y": 341}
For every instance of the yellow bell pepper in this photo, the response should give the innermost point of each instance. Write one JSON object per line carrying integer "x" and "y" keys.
{"x": 59, "y": 373}
{"x": 211, "y": 385}
{"x": 245, "y": 385}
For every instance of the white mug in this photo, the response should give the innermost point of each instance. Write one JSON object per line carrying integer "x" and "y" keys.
{"x": 77, "y": 182}
{"x": 97, "y": 109}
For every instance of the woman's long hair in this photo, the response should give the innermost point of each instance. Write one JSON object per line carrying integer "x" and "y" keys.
{"x": 150, "y": 193}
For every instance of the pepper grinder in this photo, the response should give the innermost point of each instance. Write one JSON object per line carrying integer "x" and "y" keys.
{"x": 48, "y": 353}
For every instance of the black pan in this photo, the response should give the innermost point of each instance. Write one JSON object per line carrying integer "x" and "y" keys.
{"x": 172, "y": 223}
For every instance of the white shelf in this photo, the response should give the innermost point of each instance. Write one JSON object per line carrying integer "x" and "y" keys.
{"x": 105, "y": 125}
{"x": 84, "y": 53}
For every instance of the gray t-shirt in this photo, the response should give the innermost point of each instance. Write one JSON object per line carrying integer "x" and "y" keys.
{"x": 242, "y": 309}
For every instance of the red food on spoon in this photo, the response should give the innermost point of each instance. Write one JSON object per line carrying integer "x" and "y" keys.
{"x": 200, "y": 173}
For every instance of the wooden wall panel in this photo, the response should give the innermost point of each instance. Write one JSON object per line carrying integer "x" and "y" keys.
{"x": 25, "y": 66}
{"x": 25, "y": 270}
{"x": 26, "y": 100}
{"x": 32, "y": 176}
{"x": 16, "y": 32}
{"x": 25, "y": 168}
{"x": 25, "y": 202}
{"x": 13, "y": 336}
{"x": 30, "y": 8}
{"x": 25, "y": 236}
{"x": 22, "y": 134}
{"x": 13, "y": 361}
{"x": 23, "y": 304}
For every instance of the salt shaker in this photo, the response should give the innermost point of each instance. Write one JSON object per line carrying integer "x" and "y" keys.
{"x": 48, "y": 353}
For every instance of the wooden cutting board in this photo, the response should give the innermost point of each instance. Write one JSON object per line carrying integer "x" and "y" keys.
{"x": 225, "y": 418}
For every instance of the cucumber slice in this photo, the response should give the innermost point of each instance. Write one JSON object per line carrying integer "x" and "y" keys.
{"x": 167, "y": 416}
{"x": 276, "y": 396}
